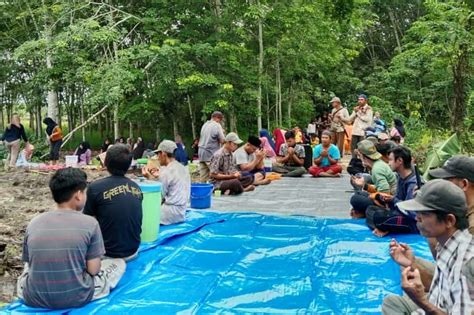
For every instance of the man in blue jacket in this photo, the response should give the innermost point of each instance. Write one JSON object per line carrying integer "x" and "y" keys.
{"x": 389, "y": 219}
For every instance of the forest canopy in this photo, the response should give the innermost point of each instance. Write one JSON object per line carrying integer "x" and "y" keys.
{"x": 160, "y": 67}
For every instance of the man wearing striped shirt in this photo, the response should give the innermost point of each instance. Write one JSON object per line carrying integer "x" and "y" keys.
{"x": 441, "y": 213}
{"x": 62, "y": 251}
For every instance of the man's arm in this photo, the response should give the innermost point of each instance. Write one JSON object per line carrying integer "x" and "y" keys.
{"x": 93, "y": 266}
{"x": 297, "y": 160}
{"x": 413, "y": 287}
{"x": 283, "y": 159}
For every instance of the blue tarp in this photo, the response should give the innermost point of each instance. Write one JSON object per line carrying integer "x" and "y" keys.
{"x": 252, "y": 263}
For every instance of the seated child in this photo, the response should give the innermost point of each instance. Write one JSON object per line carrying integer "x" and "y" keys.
{"x": 62, "y": 251}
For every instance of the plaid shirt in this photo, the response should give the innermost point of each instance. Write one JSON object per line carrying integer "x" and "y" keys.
{"x": 222, "y": 162}
{"x": 452, "y": 288}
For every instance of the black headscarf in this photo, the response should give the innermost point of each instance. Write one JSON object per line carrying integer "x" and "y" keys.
{"x": 138, "y": 152}
{"x": 50, "y": 123}
{"x": 399, "y": 126}
{"x": 85, "y": 146}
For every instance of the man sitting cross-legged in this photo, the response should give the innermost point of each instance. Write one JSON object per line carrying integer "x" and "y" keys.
{"x": 224, "y": 173}
{"x": 290, "y": 159}
{"x": 116, "y": 202}
{"x": 390, "y": 219}
{"x": 175, "y": 183}
{"x": 382, "y": 177}
{"x": 62, "y": 251}
{"x": 326, "y": 157}
{"x": 249, "y": 160}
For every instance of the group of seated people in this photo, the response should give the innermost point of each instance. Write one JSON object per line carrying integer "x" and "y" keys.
{"x": 72, "y": 258}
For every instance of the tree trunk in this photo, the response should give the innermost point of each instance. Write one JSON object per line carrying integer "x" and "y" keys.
{"x": 52, "y": 94}
{"x": 83, "y": 129}
{"x": 130, "y": 130}
{"x": 157, "y": 134}
{"x": 395, "y": 32}
{"x": 32, "y": 119}
{"x": 39, "y": 120}
{"x": 290, "y": 104}
{"x": 191, "y": 115}
{"x": 260, "y": 74}
{"x": 268, "y": 111}
{"x": 280, "y": 111}
{"x": 116, "y": 122}
{"x": 175, "y": 127}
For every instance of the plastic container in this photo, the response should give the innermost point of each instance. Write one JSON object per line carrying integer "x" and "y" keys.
{"x": 201, "y": 195}
{"x": 142, "y": 161}
{"x": 71, "y": 160}
{"x": 151, "y": 205}
{"x": 267, "y": 165}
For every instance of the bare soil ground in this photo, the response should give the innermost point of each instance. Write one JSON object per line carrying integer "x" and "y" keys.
{"x": 23, "y": 195}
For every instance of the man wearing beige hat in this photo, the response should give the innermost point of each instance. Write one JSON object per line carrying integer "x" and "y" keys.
{"x": 175, "y": 183}
{"x": 223, "y": 171}
{"x": 338, "y": 118}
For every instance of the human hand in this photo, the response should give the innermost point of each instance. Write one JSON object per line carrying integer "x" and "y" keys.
{"x": 386, "y": 197}
{"x": 324, "y": 153}
{"x": 260, "y": 153}
{"x": 291, "y": 150}
{"x": 358, "y": 181}
{"x": 237, "y": 175}
{"x": 401, "y": 253}
{"x": 150, "y": 172}
{"x": 412, "y": 285}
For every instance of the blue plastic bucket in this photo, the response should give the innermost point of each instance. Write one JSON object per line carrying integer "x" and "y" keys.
{"x": 201, "y": 195}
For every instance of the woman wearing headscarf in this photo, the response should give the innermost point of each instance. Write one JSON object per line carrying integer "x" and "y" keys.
{"x": 270, "y": 153}
{"x": 55, "y": 139}
{"x": 138, "y": 149}
{"x": 266, "y": 134}
{"x": 279, "y": 137}
{"x": 84, "y": 153}
{"x": 11, "y": 138}
{"x": 398, "y": 130}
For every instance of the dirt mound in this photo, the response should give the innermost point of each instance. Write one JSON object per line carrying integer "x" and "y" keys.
{"x": 24, "y": 194}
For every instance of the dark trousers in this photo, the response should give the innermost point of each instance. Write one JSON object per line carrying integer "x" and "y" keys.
{"x": 360, "y": 201}
{"x": 54, "y": 150}
{"x": 354, "y": 141}
{"x": 388, "y": 220}
{"x": 289, "y": 171}
{"x": 236, "y": 186}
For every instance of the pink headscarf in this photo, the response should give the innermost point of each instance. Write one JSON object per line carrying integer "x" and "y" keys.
{"x": 268, "y": 148}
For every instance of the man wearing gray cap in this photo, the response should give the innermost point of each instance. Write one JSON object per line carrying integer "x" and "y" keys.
{"x": 338, "y": 118}
{"x": 460, "y": 171}
{"x": 212, "y": 136}
{"x": 224, "y": 174}
{"x": 175, "y": 183}
{"x": 440, "y": 208}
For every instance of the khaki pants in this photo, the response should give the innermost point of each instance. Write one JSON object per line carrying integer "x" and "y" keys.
{"x": 338, "y": 140}
{"x": 13, "y": 149}
{"x": 111, "y": 271}
{"x": 204, "y": 171}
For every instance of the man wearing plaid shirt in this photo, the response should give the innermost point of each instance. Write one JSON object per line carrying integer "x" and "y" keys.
{"x": 441, "y": 213}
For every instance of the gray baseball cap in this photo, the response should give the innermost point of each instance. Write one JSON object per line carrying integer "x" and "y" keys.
{"x": 233, "y": 137}
{"x": 459, "y": 166}
{"x": 437, "y": 194}
{"x": 167, "y": 146}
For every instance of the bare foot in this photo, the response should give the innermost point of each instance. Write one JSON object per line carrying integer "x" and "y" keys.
{"x": 357, "y": 215}
{"x": 249, "y": 188}
{"x": 326, "y": 174}
{"x": 227, "y": 192}
{"x": 264, "y": 181}
{"x": 379, "y": 233}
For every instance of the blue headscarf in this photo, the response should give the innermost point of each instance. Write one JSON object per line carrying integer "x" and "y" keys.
{"x": 266, "y": 134}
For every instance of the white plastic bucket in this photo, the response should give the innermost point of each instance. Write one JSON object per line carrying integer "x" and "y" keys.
{"x": 71, "y": 160}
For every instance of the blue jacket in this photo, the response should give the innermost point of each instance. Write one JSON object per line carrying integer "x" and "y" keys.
{"x": 405, "y": 187}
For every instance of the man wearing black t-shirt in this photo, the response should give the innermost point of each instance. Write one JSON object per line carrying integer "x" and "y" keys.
{"x": 116, "y": 202}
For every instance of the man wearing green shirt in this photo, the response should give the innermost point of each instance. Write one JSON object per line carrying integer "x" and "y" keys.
{"x": 383, "y": 179}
